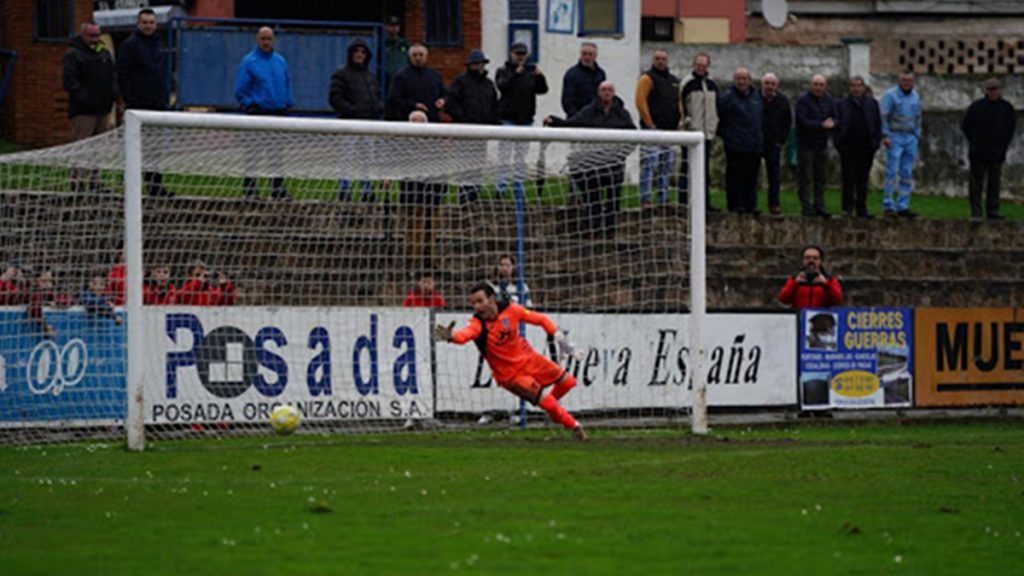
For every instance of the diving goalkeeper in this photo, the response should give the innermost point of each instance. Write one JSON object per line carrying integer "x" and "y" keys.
{"x": 516, "y": 366}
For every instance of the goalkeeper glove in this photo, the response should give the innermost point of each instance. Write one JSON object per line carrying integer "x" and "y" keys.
{"x": 444, "y": 332}
{"x": 566, "y": 348}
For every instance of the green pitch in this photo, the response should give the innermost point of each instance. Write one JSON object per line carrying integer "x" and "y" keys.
{"x": 921, "y": 499}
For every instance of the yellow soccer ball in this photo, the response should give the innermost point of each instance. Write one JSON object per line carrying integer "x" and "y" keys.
{"x": 285, "y": 419}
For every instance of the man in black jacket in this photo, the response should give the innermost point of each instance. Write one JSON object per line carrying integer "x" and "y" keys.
{"x": 415, "y": 87}
{"x": 815, "y": 120}
{"x": 354, "y": 95}
{"x": 142, "y": 77}
{"x": 472, "y": 99}
{"x": 989, "y": 125}
{"x": 778, "y": 119}
{"x": 90, "y": 79}
{"x": 657, "y": 102}
{"x": 593, "y": 170}
{"x": 519, "y": 82}
{"x": 858, "y": 136}
{"x": 580, "y": 83}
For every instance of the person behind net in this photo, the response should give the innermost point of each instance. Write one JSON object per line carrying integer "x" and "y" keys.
{"x": 424, "y": 294}
{"x": 516, "y": 366}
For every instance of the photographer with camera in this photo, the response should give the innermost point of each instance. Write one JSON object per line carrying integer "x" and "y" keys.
{"x": 811, "y": 287}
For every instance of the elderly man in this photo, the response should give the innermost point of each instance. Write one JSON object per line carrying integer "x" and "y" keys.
{"x": 416, "y": 87}
{"x": 90, "y": 79}
{"x": 657, "y": 101}
{"x": 815, "y": 120}
{"x": 699, "y": 100}
{"x": 778, "y": 118}
{"x": 989, "y": 125}
{"x": 858, "y": 134}
{"x": 263, "y": 88}
{"x": 591, "y": 176}
{"x": 901, "y": 130}
{"x": 741, "y": 118}
{"x": 580, "y": 83}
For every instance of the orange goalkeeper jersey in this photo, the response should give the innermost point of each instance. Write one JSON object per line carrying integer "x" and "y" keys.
{"x": 504, "y": 349}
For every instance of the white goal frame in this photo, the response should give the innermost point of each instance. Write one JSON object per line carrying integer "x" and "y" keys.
{"x": 133, "y": 170}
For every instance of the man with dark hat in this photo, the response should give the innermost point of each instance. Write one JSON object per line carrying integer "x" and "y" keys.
{"x": 989, "y": 125}
{"x": 520, "y": 82}
{"x": 472, "y": 98}
{"x": 396, "y": 48}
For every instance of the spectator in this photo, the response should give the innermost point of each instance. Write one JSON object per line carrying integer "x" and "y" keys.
{"x": 858, "y": 135}
{"x": 396, "y": 49}
{"x": 90, "y": 79}
{"x": 812, "y": 287}
{"x": 815, "y": 119}
{"x": 420, "y": 201}
{"x": 508, "y": 285}
{"x": 989, "y": 125}
{"x": 41, "y": 294}
{"x": 199, "y": 291}
{"x": 416, "y": 87}
{"x": 354, "y": 95}
{"x": 424, "y": 294}
{"x": 115, "y": 283}
{"x": 901, "y": 131}
{"x": 741, "y": 125}
{"x": 472, "y": 99}
{"x": 520, "y": 82}
{"x": 263, "y": 88}
{"x": 580, "y": 83}
{"x": 12, "y": 285}
{"x": 699, "y": 100}
{"x": 142, "y": 77}
{"x": 657, "y": 102}
{"x": 778, "y": 118}
{"x": 158, "y": 290}
{"x": 93, "y": 298}
{"x": 590, "y": 175}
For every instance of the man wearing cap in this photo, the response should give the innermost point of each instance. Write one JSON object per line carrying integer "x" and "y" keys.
{"x": 520, "y": 82}
{"x": 471, "y": 98}
{"x": 989, "y": 125}
{"x": 415, "y": 87}
{"x": 396, "y": 48}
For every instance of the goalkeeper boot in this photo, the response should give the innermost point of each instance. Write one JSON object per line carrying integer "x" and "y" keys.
{"x": 579, "y": 433}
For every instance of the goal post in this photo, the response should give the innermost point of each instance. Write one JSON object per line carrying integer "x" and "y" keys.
{"x": 303, "y": 287}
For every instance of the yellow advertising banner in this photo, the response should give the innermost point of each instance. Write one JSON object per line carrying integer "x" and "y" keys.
{"x": 968, "y": 356}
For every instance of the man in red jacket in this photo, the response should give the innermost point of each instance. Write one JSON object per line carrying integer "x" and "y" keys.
{"x": 198, "y": 290}
{"x": 812, "y": 287}
{"x": 424, "y": 295}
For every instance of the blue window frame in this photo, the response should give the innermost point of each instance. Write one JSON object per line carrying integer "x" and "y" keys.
{"x": 53, "y": 20}
{"x": 443, "y": 22}
{"x": 600, "y": 17}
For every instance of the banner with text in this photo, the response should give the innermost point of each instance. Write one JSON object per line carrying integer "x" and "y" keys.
{"x": 856, "y": 358}
{"x": 236, "y": 364}
{"x": 74, "y": 377}
{"x": 970, "y": 356}
{"x": 640, "y": 361}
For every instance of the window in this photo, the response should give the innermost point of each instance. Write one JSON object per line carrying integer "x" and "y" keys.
{"x": 600, "y": 17}
{"x": 657, "y": 29}
{"x": 53, "y": 20}
{"x": 444, "y": 22}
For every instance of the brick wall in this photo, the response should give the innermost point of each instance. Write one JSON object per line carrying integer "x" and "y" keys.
{"x": 449, "y": 61}
{"x": 35, "y": 110}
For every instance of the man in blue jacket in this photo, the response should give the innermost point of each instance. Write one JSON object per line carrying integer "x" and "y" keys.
{"x": 741, "y": 118}
{"x": 815, "y": 120}
{"x": 142, "y": 77}
{"x": 858, "y": 134}
{"x": 901, "y": 131}
{"x": 263, "y": 88}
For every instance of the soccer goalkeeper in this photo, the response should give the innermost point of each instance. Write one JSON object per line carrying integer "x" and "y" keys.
{"x": 516, "y": 366}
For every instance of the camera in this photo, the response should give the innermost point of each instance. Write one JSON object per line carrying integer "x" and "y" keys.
{"x": 811, "y": 274}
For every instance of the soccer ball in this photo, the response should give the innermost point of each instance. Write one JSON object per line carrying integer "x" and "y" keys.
{"x": 284, "y": 419}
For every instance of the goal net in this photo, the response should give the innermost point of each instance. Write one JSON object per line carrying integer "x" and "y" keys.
{"x": 187, "y": 274}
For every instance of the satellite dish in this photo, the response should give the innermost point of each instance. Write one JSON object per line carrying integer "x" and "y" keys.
{"x": 775, "y": 12}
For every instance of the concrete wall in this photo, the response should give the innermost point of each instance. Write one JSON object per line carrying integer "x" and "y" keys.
{"x": 943, "y": 153}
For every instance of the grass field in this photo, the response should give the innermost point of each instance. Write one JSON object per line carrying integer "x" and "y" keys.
{"x": 868, "y": 499}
